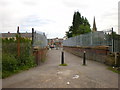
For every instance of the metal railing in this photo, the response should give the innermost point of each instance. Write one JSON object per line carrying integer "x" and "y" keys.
{"x": 98, "y": 38}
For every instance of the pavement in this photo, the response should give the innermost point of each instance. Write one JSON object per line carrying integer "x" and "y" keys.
{"x": 74, "y": 75}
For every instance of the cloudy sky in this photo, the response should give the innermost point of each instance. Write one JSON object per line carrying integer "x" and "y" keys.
{"x": 55, "y": 16}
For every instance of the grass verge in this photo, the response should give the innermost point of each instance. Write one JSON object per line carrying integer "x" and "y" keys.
{"x": 62, "y": 64}
{"x": 114, "y": 70}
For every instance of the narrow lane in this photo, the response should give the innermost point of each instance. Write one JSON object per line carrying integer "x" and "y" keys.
{"x": 75, "y": 75}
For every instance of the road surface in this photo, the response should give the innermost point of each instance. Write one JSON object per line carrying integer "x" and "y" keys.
{"x": 74, "y": 75}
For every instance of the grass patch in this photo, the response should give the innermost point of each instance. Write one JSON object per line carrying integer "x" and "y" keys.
{"x": 114, "y": 70}
{"x": 84, "y": 65}
{"x": 62, "y": 64}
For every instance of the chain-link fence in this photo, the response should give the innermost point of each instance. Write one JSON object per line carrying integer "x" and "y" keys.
{"x": 116, "y": 44}
{"x": 40, "y": 43}
{"x": 39, "y": 39}
{"x": 98, "y": 38}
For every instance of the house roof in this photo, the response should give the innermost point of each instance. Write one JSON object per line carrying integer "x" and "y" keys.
{"x": 56, "y": 40}
{"x": 6, "y": 35}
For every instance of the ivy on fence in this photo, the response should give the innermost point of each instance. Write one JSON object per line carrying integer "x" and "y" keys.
{"x": 11, "y": 63}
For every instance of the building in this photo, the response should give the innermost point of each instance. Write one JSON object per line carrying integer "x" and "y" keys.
{"x": 13, "y": 35}
{"x": 57, "y": 42}
{"x": 94, "y": 26}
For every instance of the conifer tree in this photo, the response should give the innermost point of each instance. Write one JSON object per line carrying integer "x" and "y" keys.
{"x": 80, "y": 25}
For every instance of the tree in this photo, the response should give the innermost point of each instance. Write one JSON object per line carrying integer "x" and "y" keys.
{"x": 76, "y": 22}
{"x": 69, "y": 33}
{"x": 80, "y": 25}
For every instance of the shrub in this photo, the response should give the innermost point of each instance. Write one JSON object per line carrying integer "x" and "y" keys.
{"x": 27, "y": 60}
{"x": 9, "y": 62}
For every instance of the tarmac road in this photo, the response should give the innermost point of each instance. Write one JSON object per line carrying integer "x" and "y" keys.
{"x": 74, "y": 75}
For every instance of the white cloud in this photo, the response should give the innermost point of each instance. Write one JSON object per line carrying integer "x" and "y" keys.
{"x": 55, "y": 16}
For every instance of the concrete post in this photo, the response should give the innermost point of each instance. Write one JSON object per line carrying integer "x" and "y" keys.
{"x": 84, "y": 58}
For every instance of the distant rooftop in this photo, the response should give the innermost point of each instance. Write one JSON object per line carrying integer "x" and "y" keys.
{"x": 6, "y": 35}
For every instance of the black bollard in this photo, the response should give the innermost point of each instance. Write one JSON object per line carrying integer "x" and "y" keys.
{"x": 62, "y": 58}
{"x": 84, "y": 58}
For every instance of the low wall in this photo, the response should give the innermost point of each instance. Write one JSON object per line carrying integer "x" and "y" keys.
{"x": 99, "y": 53}
{"x": 40, "y": 55}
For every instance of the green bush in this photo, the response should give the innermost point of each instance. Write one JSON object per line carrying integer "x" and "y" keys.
{"x": 26, "y": 60}
{"x": 9, "y": 62}
{"x": 11, "y": 65}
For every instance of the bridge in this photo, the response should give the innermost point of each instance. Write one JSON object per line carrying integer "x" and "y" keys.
{"x": 50, "y": 74}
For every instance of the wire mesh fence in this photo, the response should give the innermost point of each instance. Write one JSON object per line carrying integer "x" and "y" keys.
{"x": 39, "y": 43}
{"x": 39, "y": 39}
{"x": 98, "y": 38}
{"x": 116, "y": 44}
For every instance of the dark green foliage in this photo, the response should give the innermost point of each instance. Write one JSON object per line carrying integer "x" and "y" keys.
{"x": 76, "y": 22}
{"x": 80, "y": 25}
{"x": 69, "y": 33}
{"x": 6, "y": 40}
{"x": 11, "y": 63}
{"x": 25, "y": 59}
{"x": 114, "y": 35}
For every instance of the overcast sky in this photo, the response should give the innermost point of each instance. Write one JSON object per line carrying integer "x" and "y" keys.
{"x": 55, "y": 16}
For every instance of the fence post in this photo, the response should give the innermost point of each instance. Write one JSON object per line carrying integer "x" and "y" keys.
{"x": 37, "y": 58}
{"x": 112, "y": 41}
{"x": 116, "y": 59}
{"x": 18, "y": 42}
{"x": 32, "y": 36}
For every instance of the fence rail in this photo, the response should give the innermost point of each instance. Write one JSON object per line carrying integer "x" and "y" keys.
{"x": 98, "y": 38}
